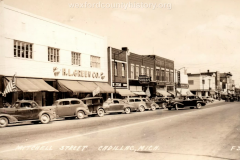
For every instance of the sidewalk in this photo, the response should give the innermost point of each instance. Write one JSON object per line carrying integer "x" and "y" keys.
{"x": 216, "y": 101}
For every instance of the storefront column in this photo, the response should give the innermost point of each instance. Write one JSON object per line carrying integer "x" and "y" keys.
{"x": 38, "y": 98}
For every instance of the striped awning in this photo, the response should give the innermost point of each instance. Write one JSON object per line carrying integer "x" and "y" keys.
{"x": 32, "y": 85}
{"x": 72, "y": 86}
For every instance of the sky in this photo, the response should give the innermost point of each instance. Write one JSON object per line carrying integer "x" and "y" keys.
{"x": 199, "y": 35}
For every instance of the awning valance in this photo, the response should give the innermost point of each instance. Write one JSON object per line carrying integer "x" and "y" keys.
{"x": 163, "y": 92}
{"x": 140, "y": 93}
{"x": 73, "y": 86}
{"x": 105, "y": 87}
{"x": 89, "y": 85}
{"x": 32, "y": 85}
{"x": 184, "y": 92}
{"x": 125, "y": 92}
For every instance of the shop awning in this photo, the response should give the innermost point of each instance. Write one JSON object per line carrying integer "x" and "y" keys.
{"x": 89, "y": 85}
{"x": 163, "y": 92}
{"x": 33, "y": 85}
{"x": 125, "y": 92}
{"x": 172, "y": 92}
{"x": 184, "y": 92}
{"x": 105, "y": 87}
{"x": 140, "y": 93}
{"x": 73, "y": 86}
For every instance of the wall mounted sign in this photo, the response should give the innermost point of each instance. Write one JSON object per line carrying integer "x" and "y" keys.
{"x": 78, "y": 73}
{"x": 143, "y": 79}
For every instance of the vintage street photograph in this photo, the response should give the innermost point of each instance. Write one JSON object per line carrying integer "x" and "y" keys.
{"x": 119, "y": 80}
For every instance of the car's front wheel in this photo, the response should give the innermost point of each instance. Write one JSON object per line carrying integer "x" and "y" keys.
{"x": 100, "y": 112}
{"x": 141, "y": 108}
{"x": 44, "y": 118}
{"x": 3, "y": 122}
{"x": 127, "y": 110}
{"x": 198, "y": 105}
{"x": 80, "y": 115}
{"x": 153, "y": 107}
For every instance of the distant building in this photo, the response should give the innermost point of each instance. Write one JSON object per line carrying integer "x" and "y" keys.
{"x": 227, "y": 82}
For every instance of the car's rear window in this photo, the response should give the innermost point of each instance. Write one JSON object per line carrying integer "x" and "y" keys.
{"x": 75, "y": 102}
{"x": 131, "y": 100}
{"x": 137, "y": 100}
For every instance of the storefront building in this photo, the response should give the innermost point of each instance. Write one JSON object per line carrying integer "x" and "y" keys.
{"x": 201, "y": 84}
{"x": 49, "y": 60}
{"x": 141, "y": 66}
{"x": 227, "y": 82}
{"x": 163, "y": 75}
{"x": 118, "y": 72}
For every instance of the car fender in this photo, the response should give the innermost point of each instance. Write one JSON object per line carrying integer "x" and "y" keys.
{"x": 50, "y": 113}
{"x": 201, "y": 102}
{"x": 11, "y": 119}
{"x": 86, "y": 111}
{"x": 142, "y": 105}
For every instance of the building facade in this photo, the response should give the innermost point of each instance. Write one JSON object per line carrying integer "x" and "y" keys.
{"x": 139, "y": 65}
{"x": 37, "y": 50}
{"x": 202, "y": 85}
{"x": 227, "y": 82}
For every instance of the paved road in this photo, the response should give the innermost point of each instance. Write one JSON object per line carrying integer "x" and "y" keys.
{"x": 187, "y": 134}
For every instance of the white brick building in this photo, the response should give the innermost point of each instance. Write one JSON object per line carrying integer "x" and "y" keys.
{"x": 34, "y": 47}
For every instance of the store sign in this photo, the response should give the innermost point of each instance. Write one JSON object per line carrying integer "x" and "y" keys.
{"x": 119, "y": 84}
{"x": 78, "y": 73}
{"x": 143, "y": 79}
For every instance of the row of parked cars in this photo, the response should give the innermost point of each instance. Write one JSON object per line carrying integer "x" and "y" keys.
{"x": 29, "y": 110}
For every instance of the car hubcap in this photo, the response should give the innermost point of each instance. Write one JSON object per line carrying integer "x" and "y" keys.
{"x": 80, "y": 115}
{"x": 44, "y": 118}
{"x": 2, "y": 121}
{"x": 100, "y": 112}
{"x": 127, "y": 110}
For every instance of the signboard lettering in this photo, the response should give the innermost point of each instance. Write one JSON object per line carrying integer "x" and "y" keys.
{"x": 143, "y": 79}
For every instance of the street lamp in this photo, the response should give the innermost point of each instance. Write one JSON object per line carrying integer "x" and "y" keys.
{"x": 124, "y": 49}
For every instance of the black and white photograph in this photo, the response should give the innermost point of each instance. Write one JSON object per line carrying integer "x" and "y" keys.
{"x": 119, "y": 80}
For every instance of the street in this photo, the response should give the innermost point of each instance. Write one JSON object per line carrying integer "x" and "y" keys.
{"x": 211, "y": 132}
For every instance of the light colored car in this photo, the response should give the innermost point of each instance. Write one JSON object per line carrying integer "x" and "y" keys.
{"x": 150, "y": 104}
{"x": 118, "y": 105}
{"x": 208, "y": 99}
{"x": 136, "y": 102}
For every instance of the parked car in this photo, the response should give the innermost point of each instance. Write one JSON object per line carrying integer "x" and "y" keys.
{"x": 137, "y": 102}
{"x": 192, "y": 101}
{"x": 208, "y": 99}
{"x": 25, "y": 110}
{"x": 71, "y": 107}
{"x": 118, "y": 105}
{"x": 162, "y": 101}
{"x": 150, "y": 104}
{"x": 95, "y": 105}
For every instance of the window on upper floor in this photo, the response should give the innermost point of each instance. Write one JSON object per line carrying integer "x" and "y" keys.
{"x": 132, "y": 71}
{"x": 152, "y": 73}
{"x": 95, "y": 62}
{"x": 137, "y": 72}
{"x": 167, "y": 76}
{"x": 143, "y": 70}
{"x": 123, "y": 70}
{"x": 23, "y": 49}
{"x": 190, "y": 82}
{"x": 115, "y": 68}
{"x": 76, "y": 58}
{"x": 157, "y": 74}
{"x": 53, "y": 54}
{"x": 147, "y": 71}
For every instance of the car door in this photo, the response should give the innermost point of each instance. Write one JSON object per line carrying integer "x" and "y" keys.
{"x": 35, "y": 110}
{"x": 114, "y": 106}
{"x": 64, "y": 108}
{"x": 23, "y": 111}
{"x": 74, "y": 105}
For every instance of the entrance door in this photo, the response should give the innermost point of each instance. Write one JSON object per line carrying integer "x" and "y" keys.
{"x": 63, "y": 108}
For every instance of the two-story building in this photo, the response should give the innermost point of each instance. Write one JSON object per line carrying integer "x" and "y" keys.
{"x": 227, "y": 82}
{"x": 50, "y": 60}
{"x": 202, "y": 84}
{"x": 118, "y": 72}
{"x": 140, "y": 65}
